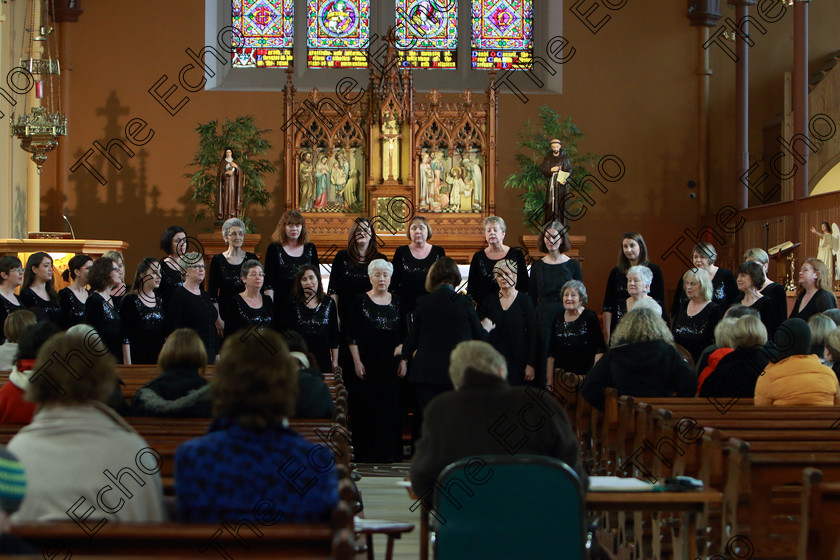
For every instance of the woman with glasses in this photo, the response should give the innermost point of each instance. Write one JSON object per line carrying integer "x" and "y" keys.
{"x": 141, "y": 313}
{"x": 251, "y": 306}
{"x": 225, "y": 281}
{"x": 174, "y": 243}
{"x": 11, "y": 276}
{"x": 101, "y": 312}
{"x": 72, "y": 298}
{"x": 38, "y": 292}
{"x": 190, "y": 307}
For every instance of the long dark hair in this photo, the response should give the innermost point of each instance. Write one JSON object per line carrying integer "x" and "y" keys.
{"x": 29, "y": 276}
{"x": 73, "y": 265}
{"x": 297, "y": 292}
{"x": 353, "y": 253}
{"x": 140, "y": 276}
{"x": 623, "y": 262}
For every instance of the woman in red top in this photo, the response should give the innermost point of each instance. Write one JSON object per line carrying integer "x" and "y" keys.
{"x": 13, "y": 409}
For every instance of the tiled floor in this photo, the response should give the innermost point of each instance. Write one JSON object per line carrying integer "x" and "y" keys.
{"x": 385, "y": 499}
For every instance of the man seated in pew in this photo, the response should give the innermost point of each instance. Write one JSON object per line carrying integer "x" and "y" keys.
{"x": 180, "y": 391}
{"x": 642, "y": 361}
{"x": 250, "y": 456}
{"x": 484, "y": 415}
{"x": 314, "y": 399}
{"x": 798, "y": 377}
{"x": 832, "y": 351}
{"x": 13, "y": 408}
{"x": 83, "y": 462}
{"x": 733, "y": 369}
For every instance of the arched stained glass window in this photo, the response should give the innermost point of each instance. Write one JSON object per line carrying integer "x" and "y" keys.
{"x": 263, "y": 33}
{"x": 502, "y": 34}
{"x": 337, "y": 33}
{"x": 427, "y": 33}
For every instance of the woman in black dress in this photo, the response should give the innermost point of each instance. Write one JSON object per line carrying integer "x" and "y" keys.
{"x": 141, "y": 315}
{"x": 633, "y": 253}
{"x": 724, "y": 288}
{"x": 174, "y": 243}
{"x": 694, "y": 325}
{"x": 11, "y": 276}
{"x": 225, "y": 282}
{"x": 72, "y": 298}
{"x": 815, "y": 295}
{"x": 101, "y": 312}
{"x": 313, "y": 315}
{"x": 251, "y": 306}
{"x": 190, "y": 307}
{"x": 481, "y": 281}
{"x": 374, "y": 340}
{"x": 288, "y": 251}
{"x": 38, "y": 292}
{"x": 510, "y": 319}
{"x": 120, "y": 289}
{"x": 411, "y": 265}
{"x": 576, "y": 338}
{"x": 776, "y": 292}
{"x": 750, "y": 279}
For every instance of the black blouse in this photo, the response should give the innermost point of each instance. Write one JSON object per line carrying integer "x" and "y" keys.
{"x": 724, "y": 291}
{"x": 281, "y": 268}
{"x": 318, "y": 327}
{"x": 375, "y": 325}
{"x": 72, "y": 310}
{"x": 481, "y": 280}
{"x": 546, "y": 282}
{"x": 45, "y": 309}
{"x": 766, "y": 312}
{"x": 574, "y": 344}
{"x": 349, "y": 281}
{"x": 240, "y": 315}
{"x": 409, "y": 278}
{"x": 104, "y": 317}
{"x": 617, "y": 288}
{"x": 170, "y": 279}
{"x": 6, "y": 308}
{"x": 515, "y": 334}
{"x": 778, "y": 295}
{"x": 697, "y": 332}
{"x": 143, "y": 328}
{"x": 823, "y": 300}
{"x": 225, "y": 279}
{"x": 184, "y": 309}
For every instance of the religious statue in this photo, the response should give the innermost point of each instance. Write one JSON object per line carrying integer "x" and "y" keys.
{"x": 350, "y": 193}
{"x": 229, "y": 178}
{"x": 427, "y": 178}
{"x": 322, "y": 180}
{"x": 390, "y": 148}
{"x": 457, "y": 189}
{"x": 477, "y": 184}
{"x": 557, "y": 167}
{"x": 306, "y": 180}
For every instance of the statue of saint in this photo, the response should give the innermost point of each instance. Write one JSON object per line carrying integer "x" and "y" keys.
{"x": 427, "y": 178}
{"x": 306, "y": 182}
{"x": 557, "y": 167}
{"x": 229, "y": 178}
{"x": 390, "y": 148}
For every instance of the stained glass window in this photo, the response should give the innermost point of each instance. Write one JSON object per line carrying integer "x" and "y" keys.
{"x": 502, "y": 34}
{"x": 337, "y": 33}
{"x": 427, "y": 33}
{"x": 263, "y": 33}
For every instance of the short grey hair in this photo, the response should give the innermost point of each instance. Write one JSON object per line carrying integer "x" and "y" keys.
{"x": 758, "y": 255}
{"x": 477, "y": 355}
{"x": 494, "y": 220}
{"x": 648, "y": 303}
{"x": 232, "y": 222}
{"x": 188, "y": 260}
{"x": 577, "y": 286}
{"x": 380, "y": 264}
{"x": 642, "y": 272}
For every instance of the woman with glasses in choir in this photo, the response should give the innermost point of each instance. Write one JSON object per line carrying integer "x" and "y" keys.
{"x": 101, "y": 312}
{"x": 141, "y": 315}
{"x": 174, "y": 243}
{"x": 251, "y": 306}
{"x": 815, "y": 290}
{"x": 11, "y": 276}
{"x": 38, "y": 291}
{"x": 288, "y": 251}
{"x": 190, "y": 307}
{"x": 225, "y": 282}
{"x": 72, "y": 298}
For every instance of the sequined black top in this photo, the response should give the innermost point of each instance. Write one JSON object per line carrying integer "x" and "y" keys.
{"x": 225, "y": 280}
{"x": 697, "y": 332}
{"x": 409, "y": 278}
{"x": 45, "y": 309}
{"x": 143, "y": 327}
{"x": 318, "y": 327}
{"x": 170, "y": 278}
{"x": 280, "y": 268}
{"x": 375, "y": 329}
{"x": 349, "y": 281}
{"x": 72, "y": 310}
{"x": 724, "y": 291}
{"x": 574, "y": 344}
{"x": 240, "y": 315}
{"x": 481, "y": 280}
{"x": 104, "y": 317}
{"x": 6, "y": 308}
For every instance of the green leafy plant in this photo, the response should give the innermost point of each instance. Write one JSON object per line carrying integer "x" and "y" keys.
{"x": 247, "y": 142}
{"x": 536, "y": 140}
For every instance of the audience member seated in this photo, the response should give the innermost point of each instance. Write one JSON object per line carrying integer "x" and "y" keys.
{"x": 250, "y": 455}
{"x": 642, "y": 361}
{"x": 734, "y": 368}
{"x": 12, "y": 490}
{"x": 314, "y": 399}
{"x": 13, "y": 408}
{"x": 833, "y": 314}
{"x": 75, "y": 441}
{"x": 798, "y": 377}
{"x": 456, "y": 424}
{"x": 96, "y": 343}
{"x": 832, "y": 351}
{"x": 15, "y": 324}
{"x": 820, "y": 326}
{"x": 180, "y": 391}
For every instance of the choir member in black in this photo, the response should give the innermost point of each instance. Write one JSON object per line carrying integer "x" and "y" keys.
{"x": 639, "y": 279}
{"x": 510, "y": 319}
{"x": 481, "y": 281}
{"x": 633, "y": 253}
{"x": 313, "y": 315}
{"x": 750, "y": 279}
{"x": 142, "y": 315}
{"x": 776, "y": 292}
{"x": 38, "y": 292}
{"x": 190, "y": 307}
{"x": 101, "y": 312}
{"x": 118, "y": 291}
{"x": 443, "y": 318}
{"x": 174, "y": 243}
{"x": 815, "y": 295}
{"x": 288, "y": 251}
{"x": 724, "y": 288}
{"x": 694, "y": 325}
{"x": 374, "y": 340}
{"x": 225, "y": 281}
{"x": 11, "y": 276}
{"x": 411, "y": 265}
{"x": 548, "y": 276}
{"x": 73, "y": 297}
{"x": 576, "y": 337}
{"x": 251, "y": 306}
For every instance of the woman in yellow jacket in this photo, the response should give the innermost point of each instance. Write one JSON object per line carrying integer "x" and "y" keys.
{"x": 797, "y": 377}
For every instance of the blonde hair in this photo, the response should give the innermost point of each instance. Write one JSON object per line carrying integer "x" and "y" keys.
{"x": 641, "y": 325}
{"x": 183, "y": 349}
{"x": 115, "y": 256}
{"x": 747, "y": 332}
{"x": 824, "y": 279}
{"x": 16, "y": 323}
{"x": 820, "y": 326}
{"x": 832, "y": 343}
{"x": 723, "y": 333}
{"x": 758, "y": 255}
{"x": 705, "y": 282}
{"x": 477, "y": 355}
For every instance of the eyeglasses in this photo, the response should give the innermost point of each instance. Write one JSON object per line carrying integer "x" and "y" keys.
{"x": 255, "y": 275}
{"x": 17, "y": 269}
{"x": 236, "y": 234}
{"x": 198, "y": 267}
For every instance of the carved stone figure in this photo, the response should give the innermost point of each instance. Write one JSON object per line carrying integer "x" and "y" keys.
{"x": 230, "y": 180}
